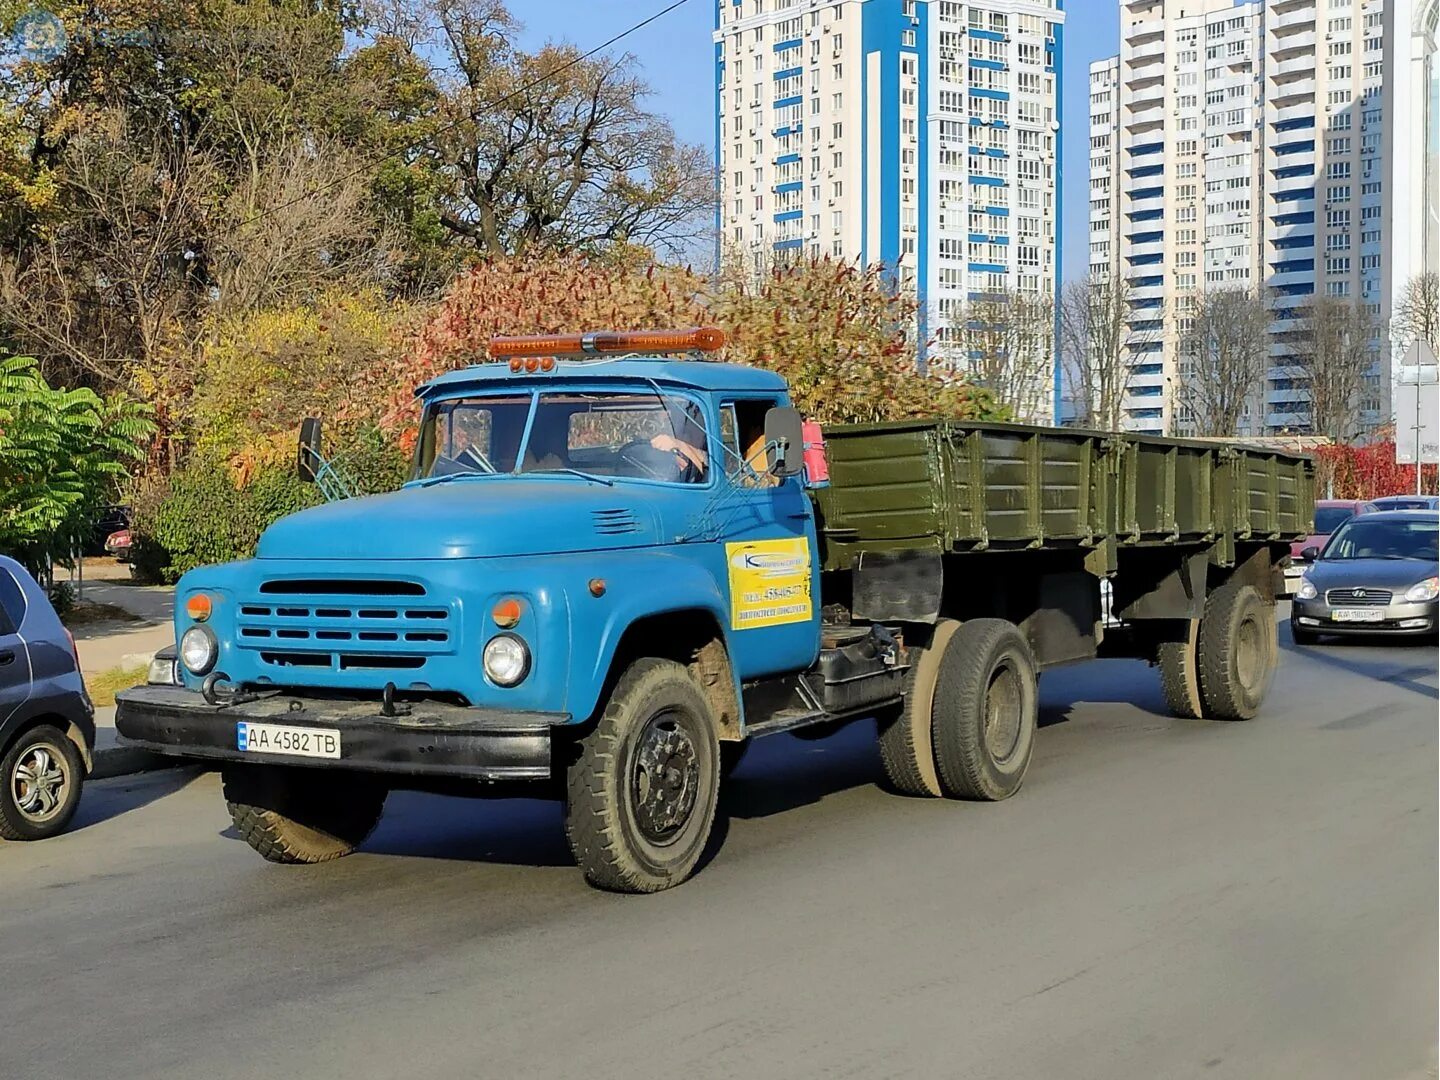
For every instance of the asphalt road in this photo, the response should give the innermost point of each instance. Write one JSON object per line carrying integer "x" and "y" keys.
{"x": 1164, "y": 899}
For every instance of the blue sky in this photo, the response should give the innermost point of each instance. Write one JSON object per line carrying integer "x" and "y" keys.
{"x": 675, "y": 54}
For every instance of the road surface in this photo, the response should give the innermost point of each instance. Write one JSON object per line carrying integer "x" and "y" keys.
{"x": 1164, "y": 899}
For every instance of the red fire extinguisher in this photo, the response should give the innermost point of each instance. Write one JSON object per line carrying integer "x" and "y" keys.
{"x": 817, "y": 470}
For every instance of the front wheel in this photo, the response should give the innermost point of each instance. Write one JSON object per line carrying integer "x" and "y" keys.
{"x": 985, "y": 711}
{"x": 641, "y": 793}
{"x": 43, "y": 777}
{"x": 292, "y": 815}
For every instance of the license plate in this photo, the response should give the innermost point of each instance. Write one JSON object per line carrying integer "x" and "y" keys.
{"x": 1357, "y": 615}
{"x": 284, "y": 739}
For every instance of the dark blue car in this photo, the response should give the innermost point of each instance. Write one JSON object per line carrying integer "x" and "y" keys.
{"x": 47, "y": 724}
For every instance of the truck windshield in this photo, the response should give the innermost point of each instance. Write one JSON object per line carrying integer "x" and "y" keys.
{"x": 636, "y": 434}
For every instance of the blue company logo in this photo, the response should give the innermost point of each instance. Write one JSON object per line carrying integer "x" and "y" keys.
{"x": 39, "y": 35}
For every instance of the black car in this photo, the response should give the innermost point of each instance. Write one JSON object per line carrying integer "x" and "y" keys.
{"x": 1376, "y": 575}
{"x": 47, "y": 724}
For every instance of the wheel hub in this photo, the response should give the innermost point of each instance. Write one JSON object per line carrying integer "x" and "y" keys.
{"x": 1003, "y": 708}
{"x": 666, "y": 778}
{"x": 38, "y": 783}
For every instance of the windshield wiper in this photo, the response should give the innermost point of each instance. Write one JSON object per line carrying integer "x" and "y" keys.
{"x": 576, "y": 472}
{"x": 431, "y": 481}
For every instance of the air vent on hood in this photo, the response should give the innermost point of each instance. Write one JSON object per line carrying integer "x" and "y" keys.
{"x": 615, "y": 522}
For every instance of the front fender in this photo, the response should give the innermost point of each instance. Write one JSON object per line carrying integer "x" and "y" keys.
{"x": 638, "y": 585}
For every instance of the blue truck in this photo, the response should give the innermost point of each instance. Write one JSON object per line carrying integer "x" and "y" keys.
{"x": 614, "y": 566}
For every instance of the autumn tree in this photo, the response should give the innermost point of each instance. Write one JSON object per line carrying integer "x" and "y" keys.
{"x": 1416, "y": 315}
{"x": 1004, "y": 341}
{"x": 1098, "y": 325}
{"x": 1333, "y": 347}
{"x": 1223, "y": 358}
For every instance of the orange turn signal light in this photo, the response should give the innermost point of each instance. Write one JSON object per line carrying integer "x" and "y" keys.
{"x": 506, "y": 613}
{"x": 597, "y": 586}
{"x": 199, "y": 607}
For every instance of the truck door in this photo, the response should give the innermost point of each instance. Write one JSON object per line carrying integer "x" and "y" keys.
{"x": 766, "y": 534}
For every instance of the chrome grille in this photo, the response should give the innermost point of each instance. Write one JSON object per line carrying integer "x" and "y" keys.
{"x": 344, "y": 625}
{"x": 1358, "y": 597}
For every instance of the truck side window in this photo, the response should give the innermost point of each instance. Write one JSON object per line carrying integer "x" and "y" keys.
{"x": 750, "y": 465}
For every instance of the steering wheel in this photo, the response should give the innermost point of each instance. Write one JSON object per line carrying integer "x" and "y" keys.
{"x": 635, "y": 452}
{"x": 472, "y": 457}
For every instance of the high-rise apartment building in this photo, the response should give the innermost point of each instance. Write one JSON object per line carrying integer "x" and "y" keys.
{"x": 1249, "y": 150}
{"x": 921, "y": 134}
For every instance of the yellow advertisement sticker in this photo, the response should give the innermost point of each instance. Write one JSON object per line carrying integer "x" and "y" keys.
{"x": 769, "y": 582}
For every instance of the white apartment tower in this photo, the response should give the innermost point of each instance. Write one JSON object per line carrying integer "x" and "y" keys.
{"x": 920, "y": 134}
{"x": 1251, "y": 148}
{"x": 1174, "y": 178}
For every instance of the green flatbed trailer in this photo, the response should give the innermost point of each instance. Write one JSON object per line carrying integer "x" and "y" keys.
{"x": 957, "y": 535}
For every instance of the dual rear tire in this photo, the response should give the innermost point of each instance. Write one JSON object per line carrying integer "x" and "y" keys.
{"x": 967, "y": 730}
{"x": 1219, "y": 666}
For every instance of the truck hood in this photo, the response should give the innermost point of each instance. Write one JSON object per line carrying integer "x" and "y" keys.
{"x": 467, "y": 519}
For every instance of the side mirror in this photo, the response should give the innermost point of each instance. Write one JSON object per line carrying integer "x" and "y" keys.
{"x": 307, "y": 453}
{"x": 783, "y": 432}
{"x": 1310, "y": 554}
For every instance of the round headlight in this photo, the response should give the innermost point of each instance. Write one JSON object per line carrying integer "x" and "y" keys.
{"x": 507, "y": 660}
{"x": 198, "y": 650}
{"x": 1307, "y": 590}
{"x": 1428, "y": 589}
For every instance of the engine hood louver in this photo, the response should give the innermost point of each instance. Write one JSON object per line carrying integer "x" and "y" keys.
{"x": 616, "y": 522}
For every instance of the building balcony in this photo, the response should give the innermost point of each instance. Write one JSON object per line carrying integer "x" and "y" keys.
{"x": 1304, "y": 64}
{"x": 1149, "y": 246}
{"x": 1293, "y": 92}
{"x": 1144, "y": 51}
{"x": 1296, "y": 115}
{"x": 1282, "y": 44}
{"x": 1143, "y": 77}
{"x": 1141, "y": 206}
{"x": 1141, "y": 119}
{"x": 1290, "y": 15}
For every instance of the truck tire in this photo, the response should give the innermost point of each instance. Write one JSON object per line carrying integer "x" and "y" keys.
{"x": 1180, "y": 673}
{"x": 907, "y": 753}
{"x": 1237, "y": 652}
{"x": 43, "y": 776}
{"x": 986, "y": 708}
{"x": 294, "y": 815}
{"x": 641, "y": 793}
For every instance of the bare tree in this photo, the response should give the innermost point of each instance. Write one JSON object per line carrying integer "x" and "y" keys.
{"x": 1417, "y": 313}
{"x": 1333, "y": 348}
{"x": 1224, "y": 357}
{"x": 1005, "y": 342}
{"x": 1098, "y": 320}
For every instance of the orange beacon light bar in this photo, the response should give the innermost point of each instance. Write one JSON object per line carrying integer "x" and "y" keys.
{"x": 600, "y": 342}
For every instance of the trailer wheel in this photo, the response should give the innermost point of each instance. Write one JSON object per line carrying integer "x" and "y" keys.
{"x": 294, "y": 815}
{"x": 641, "y": 794}
{"x": 1237, "y": 652}
{"x": 1180, "y": 674}
{"x": 906, "y": 750}
{"x": 986, "y": 707}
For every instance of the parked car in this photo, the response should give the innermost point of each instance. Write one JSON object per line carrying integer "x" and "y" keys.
{"x": 47, "y": 724}
{"x": 1330, "y": 514}
{"x": 107, "y": 522}
{"x": 117, "y": 545}
{"x": 1377, "y": 575}
{"x": 1408, "y": 502}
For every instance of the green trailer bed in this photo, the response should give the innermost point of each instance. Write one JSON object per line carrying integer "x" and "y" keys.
{"x": 958, "y": 487}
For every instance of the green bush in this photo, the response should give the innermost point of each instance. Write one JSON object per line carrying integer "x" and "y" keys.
{"x": 200, "y": 516}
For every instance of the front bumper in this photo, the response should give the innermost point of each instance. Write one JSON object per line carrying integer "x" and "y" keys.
{"x": 1396, "y": 618}
{"x": 430, "y": 739}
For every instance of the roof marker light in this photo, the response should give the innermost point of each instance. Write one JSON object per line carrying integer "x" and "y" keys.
{"x": 600, "y": 342}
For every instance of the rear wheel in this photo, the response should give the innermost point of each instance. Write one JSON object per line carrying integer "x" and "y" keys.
{"x": 43, "y": 777}
{"x": 1237, "y": 652}
{"x": 641, "y": 793}
{"x": 1180, "y": 672}
{"x": 906, "y": 749}
{"x": 986, "y": 708}
{"x": 294, "y": 815}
